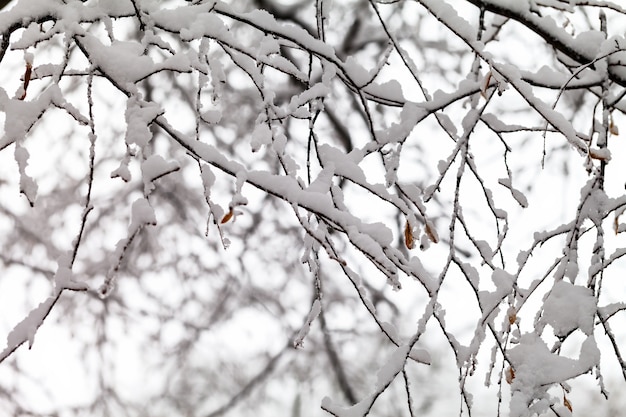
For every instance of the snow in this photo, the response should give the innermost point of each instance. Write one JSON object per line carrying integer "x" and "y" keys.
{"x": 517, "y": 195}
{"x": 122, "y": 171}
{"x": 25, "y": 330}
{"x": 485, "y": 250}
{"x": 346, "y": 165}
{"x": 536, "y": 369}
{"x": 268, "y": 24}
{"x": 490, "y": 301}
{"x": 390, "y": 90}
{"x": 356, "y": 73}
{"x": 108, "y": 57}
{"x": 569, "y": 307}
{"x": 360, "y": 409}
{"x": 420, "y": 356}
{"x": 589, "y": 42}
{"x": 28, "y": 186}
{"x": 316, "y": 308}
{"x": 603, "y": 154}
{"x": 261, "y": 136}
{"x": 64, "y": 277}
{"x": 142, "y": 214}
{"x": 324, "y": 180}
{"x": 385, "y": 375}
{"x": 23, "y": 114}
{"x": 139, "y": 115}
{"x": 315, "y": 92}
{"x": 595, "y": 203}
{"x": 393, "y": 367}
{"x": 446, "y": 13}
{"x": 212, "y": 116}
{"x": 566, "y": 309}
{"x": 552, "y": 116}
{"x": 155, "y": 167}
{"x": 398, "y": 132}
{"x": 194, "y": 21}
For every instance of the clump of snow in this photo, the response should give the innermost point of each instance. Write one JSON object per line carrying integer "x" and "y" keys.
{"x": 569, "y": 307}
{"x": 139, "y": 115}
{"x": 28, "y": 186}
{"x": 390, "y": 90}
{"x": 261, "y": 135}
{"x": 595, "y": 204}
{"x": 155, "y": 167}
{"x": 142, "y": 214}
{"x": 485, "y": 250}
{"x": 64, "y": 277}
{"x": 122, "y": 171}
{"x": 536, "y": 369}
{"x": 589, "y": 42}
{"x": 489, "y": 301}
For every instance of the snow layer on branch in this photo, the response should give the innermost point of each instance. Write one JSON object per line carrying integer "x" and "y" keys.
{"x": 446, "y": 13}
{"x": 192, "y": 22}
{"x": 323, "y": 182}
{"x": 265, "y": 22}
{"x": 616, "y": 47}
{"x": 371, "y": 239}
{"x": 25, "y": 330}
{"x": 316, "y": 308}
{"x": 536, "y": 369}
{"x": 125, "y": 63}
{"x": 316, "y": 91}
{"x": 410, "y": 115}
{"x": 390, "y": 90}
{"x": 355, "y": 71}
{"x": 384, "y": 377}
{"x": 25, "y": 11}
{"x": 583, "y": 48}
{"x": 517, "y": 195}
{"x": 23, "y": 114}
{"x": 155, "y": 167}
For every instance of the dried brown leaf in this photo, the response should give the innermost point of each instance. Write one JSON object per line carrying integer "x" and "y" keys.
{"x": 409, "y": 240}
{"x": 27, "y": 74}
{"x": 485, "y": 86}
{"x": 600, "y": 154}
{"x": 567, "y": 404}
{"x": 613, "y": 129}
{"x": 431, "y": 233}
{"x": 227, "y": 216}
{"x": 509, "y": 375}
